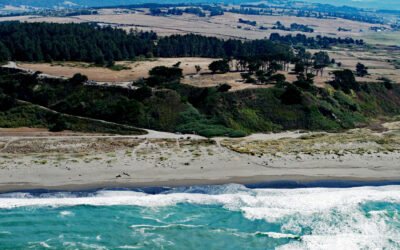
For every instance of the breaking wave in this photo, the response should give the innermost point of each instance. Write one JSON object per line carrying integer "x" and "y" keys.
{"x": 308, "y": 218}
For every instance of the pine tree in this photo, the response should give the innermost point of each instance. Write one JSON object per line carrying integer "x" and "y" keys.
{"x": 4, "y": 53}
{"x": 361, "y": 70}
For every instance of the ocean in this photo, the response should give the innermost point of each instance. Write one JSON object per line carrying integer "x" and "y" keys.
{"x": 203, "y": 217}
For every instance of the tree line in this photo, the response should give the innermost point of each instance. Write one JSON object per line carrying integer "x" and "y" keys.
{"x": 315, "y": 42}
{"x": 177, "y": 11}
{"x": 320, "y": 11}
{"x": 78, "y": 42}
{"x": 293, "y": 27}
{"x": 101, "y": 45}
{"x": 104, "y": 45}
{"x": 202, "y": 46}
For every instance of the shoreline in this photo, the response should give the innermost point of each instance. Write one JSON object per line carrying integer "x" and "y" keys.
{"x": 270, "y": 182}
{"x": 161, "y": 159}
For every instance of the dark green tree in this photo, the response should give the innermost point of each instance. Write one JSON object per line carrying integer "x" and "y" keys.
{"x": 361, "y": 70}
{"x": 224, "y": 87}
{"x": 169, "y": 73}
{"x": 4, "y": 53}
{"x": 299, "y": 67}
{"x": 345, "y": 80}
{"x": 6, "y": 102}
{"x": 321, "y": 61}
{"x": 143, "y": 93}
{"x": 78, "y": 79}
{"x": 304, "y": 81}
{"x": 59, "y": 124}
{"x": 291, "y": 96}
{"x": 160, "y": 75}
{"x": 221, "y": 66}
{"x": 278, "y": 78}
{"x": 274, "y": 67}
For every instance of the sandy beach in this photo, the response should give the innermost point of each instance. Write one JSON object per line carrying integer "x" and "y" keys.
{"x": 68, "y": 161}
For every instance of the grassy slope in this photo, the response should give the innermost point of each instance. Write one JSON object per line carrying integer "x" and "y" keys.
{"x": 261, "y": 110}
{"x": 34, "y": 116}
{"x": 205, "y": 111}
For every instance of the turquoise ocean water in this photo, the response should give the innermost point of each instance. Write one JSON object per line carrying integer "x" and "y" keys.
{"x": 212, "y": 217}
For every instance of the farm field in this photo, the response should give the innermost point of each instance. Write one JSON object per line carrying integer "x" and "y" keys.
{"x": 225, "y": 26}
{"x": 382, "y": 61}
{"x": 384, "y": 38}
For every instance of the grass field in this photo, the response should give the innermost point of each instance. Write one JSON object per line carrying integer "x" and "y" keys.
{"x": 225, "y": 26}
{"x": 385, "y": 38}
{"x": 133, "y": 70}
{"x": 139, "y": 69}
{"x": 382, "y": 61}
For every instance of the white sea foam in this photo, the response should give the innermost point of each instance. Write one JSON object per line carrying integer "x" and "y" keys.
{"x": 80, "y": 245}
{"x": 129, "y": 247}
{"x": 42, "y": 244}
{"x": 153, "y": 227}
{"x": 255, "y": 203}
{"x": 278, "y": 235}
{"x": 334, "y": 216}
{"x": 342, "y": 242}
{"x": 66, "y": 213}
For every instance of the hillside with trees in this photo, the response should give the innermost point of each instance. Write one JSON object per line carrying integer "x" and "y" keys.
{"x": 37, "y": 42}
{"x": 161, "y": 102}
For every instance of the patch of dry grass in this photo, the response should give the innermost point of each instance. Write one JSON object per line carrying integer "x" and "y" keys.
{"x": 75, "y": 146}
{"x": 357, "y": 141}
{"x": 225, "y": 26}
{"x": 134, "y": 70}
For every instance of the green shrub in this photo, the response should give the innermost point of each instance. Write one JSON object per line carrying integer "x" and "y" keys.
{"x": 292, "y": 95}
{"x": 345, "y": 81}
{"x": 221, "y": 66}
{"x": 59, "y": 125}
{"x": 118, "y": 67}
{"x": 346, "y": 101}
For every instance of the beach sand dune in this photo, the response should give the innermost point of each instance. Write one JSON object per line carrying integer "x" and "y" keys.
{"x": 162, "y": 159}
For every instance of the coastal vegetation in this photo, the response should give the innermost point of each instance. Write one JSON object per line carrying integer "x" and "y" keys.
{"x": 162, "y": 102}
{"x": 172, "y": 106}
{"x": 104, "y": 103}
{"x": 22, "y": 114}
